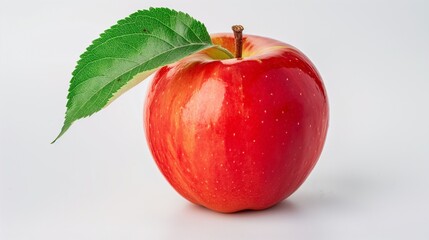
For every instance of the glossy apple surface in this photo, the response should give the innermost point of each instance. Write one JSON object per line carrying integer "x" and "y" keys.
{"x": 237, "y": 134}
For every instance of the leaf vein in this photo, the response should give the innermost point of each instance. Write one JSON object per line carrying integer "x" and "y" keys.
{"x": 191, "y": 30}
{"x": 84, "y": 66}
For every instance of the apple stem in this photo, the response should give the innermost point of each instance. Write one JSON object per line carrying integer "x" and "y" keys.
{"x": 238, "y": 36}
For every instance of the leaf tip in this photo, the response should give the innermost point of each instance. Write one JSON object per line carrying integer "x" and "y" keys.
{"x": 59, "y": 135}
{"x": 65, "y": 127}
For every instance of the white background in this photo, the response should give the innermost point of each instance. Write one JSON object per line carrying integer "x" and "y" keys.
{"x": 100, "y": 182}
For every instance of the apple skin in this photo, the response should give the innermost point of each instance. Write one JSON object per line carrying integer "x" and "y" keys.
{"x": 237, "y": 134}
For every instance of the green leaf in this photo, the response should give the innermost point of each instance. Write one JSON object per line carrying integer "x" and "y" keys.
{"x": 129, "y": 52}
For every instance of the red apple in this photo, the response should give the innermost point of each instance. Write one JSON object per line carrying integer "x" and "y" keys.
{"x": 237, "y": 134}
